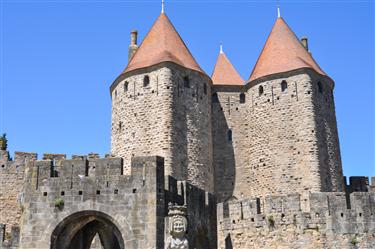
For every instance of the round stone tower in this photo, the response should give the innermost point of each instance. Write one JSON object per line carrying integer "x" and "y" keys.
{"x": 161, "y": 105}
{"x": 292, "y": 143}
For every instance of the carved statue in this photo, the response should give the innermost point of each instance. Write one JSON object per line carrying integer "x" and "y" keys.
{"x": 177, "y": 228}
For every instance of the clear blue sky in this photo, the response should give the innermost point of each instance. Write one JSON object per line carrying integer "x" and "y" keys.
{"x": 58, "y": 59}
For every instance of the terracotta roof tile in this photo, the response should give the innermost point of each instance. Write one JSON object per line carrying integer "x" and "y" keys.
{"x": 162, "y": 43}
{"x": 224, "y": 72}
{"x": 283, "y": 52}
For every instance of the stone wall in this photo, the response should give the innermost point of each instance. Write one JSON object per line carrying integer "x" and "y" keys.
{"x": 283, "y": 140}
{"x": 93, "y": 187}
{"x": 227, "y": 114}
{"x": 166, "y": 118}
{"x": 11, "y": 180}
{"x": 280, "y": 222}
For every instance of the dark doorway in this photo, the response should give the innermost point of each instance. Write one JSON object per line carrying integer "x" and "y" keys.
{"x": 78, "y": 231}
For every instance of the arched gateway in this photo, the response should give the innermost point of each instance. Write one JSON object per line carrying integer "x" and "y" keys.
{"x": 79, "y": 229}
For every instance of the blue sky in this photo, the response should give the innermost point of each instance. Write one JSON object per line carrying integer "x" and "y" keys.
{"x": 58, "y": 59}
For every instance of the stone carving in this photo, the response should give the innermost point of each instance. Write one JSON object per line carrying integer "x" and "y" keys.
{"x": 177, "y": 228}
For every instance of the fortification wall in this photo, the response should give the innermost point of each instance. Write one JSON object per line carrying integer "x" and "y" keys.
{"x": 89, "y": 185}
{"x": 279, "y": 222}
{"x": 96, "y": 186}
{"x": 279, "y": 145}
{"x": 11, "y": 180}
{"x": 169, "y": 117}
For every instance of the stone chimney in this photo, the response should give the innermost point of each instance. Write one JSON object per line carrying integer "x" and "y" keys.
{"x": 305, "y": 43}
{"x": 133, "y": 43}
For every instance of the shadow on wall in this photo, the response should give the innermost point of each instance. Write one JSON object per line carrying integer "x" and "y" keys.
{"x": 223, "y": 152}
{"x": 228, "y": 242}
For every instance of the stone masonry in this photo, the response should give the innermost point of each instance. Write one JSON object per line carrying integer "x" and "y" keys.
{"x": 283, "y": 141}
{"x": 252, "y": 164}
{"x": 170, "y": 116}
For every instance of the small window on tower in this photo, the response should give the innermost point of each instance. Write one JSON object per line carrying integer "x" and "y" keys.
{"x": 146, "y": 81}
{"x": 205, "y": 89}
{"x": 229, "y": 136}
{"x": 261, "y": 90}
{"x": 284, "y": 86}
{"x": 320, "y": 87}
{"x": 242, "y": 98}
{"x": 126, "y": 86}
{"x": 215, "y": 98}
{"x": 186, "y": 82}
{"x": 115, "y": 94}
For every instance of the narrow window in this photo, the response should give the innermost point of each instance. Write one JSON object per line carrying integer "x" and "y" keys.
{"x": 126, "y": 86}
{"x": 146, "y": 81}
{"x": 205, "y": 89}
{"x": 320, "y": 87}
{"x": 115, "y": 94}
{"x": 215, "y": 99}
{"x": 186, "y": 82}
{"x": 242, "y": 98}
{"x": 284, "y": 86}
{"x": 229, "y": 136}
{"x": 261, "y": 90}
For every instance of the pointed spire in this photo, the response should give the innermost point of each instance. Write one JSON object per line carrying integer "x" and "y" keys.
{"x": 162, "y": 6}
{"x": 161, "y": 44}
{"x": 224, "y": 72}
{"x": 221, "y": 48}
{"x": 283, "y": 52}
{"x": 278, "y": 12}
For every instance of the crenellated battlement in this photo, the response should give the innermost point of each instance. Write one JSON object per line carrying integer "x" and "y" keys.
{"x": 359, "y": 184}
{"x": 328, "y": 211}
{"x": 87, "y": 177}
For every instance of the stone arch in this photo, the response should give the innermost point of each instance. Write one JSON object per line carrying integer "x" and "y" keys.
{"x": 79, "y": 229}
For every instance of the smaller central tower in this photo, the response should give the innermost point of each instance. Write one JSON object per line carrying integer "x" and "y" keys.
{"x": 161, "y": 105}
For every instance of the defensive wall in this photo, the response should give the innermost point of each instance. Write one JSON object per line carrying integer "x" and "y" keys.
{"x": 60, "y": 195}
{"x": 279, "y": 221}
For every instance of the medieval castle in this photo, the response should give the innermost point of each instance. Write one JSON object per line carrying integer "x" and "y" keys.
{"x": 198, "y": 162}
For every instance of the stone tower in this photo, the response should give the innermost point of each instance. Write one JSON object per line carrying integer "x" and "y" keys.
{"x": 161, "y": 105}
{"x": 226, "y": 119}
{"x": 279, "y": 128}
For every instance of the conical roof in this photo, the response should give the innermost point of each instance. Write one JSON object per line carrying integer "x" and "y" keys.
{"x": 162, "y": 44}
{"x": 224, "y": 72}
{"x": 283, "y": 52}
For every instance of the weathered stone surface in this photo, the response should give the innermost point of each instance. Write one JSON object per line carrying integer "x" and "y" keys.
{"x": 168, "y": 117}
{"x": 283, "y": 140}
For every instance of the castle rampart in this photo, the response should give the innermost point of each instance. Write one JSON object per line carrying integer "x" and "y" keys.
{"x": 57, "y": 189}
{"x": 328, "y": 223}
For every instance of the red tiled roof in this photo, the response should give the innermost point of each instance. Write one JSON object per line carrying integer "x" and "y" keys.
{"x": 224, "y": 72}
{"x": 282, "y": 52}
{"x": 162, "y": 44}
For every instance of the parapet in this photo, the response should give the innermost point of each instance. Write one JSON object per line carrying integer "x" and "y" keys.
{"x": 87, "y": 174}
{"x": 359, "y": 184}
{"x": 329, "y": 211}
